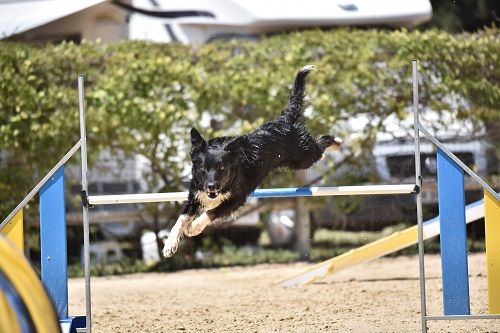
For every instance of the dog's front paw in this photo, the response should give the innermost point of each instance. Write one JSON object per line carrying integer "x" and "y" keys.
{"x": 198, "y": 225}
{"x": 195, "y": 228}
{"x": 194, "y": 231}
{"x": 170, "y": 247}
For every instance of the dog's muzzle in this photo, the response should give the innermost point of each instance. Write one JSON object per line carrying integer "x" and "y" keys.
{"x": 212, "y": 194}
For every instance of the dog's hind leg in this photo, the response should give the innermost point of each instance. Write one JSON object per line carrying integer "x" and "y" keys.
{"x": 310, "y": 150}
{"x": 329, "y": 142}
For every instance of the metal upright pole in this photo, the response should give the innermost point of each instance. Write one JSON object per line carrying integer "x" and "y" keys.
{"x": 418, "y": 180}
{"x": 303, "y": 226}
{"x": 86, "y": 239}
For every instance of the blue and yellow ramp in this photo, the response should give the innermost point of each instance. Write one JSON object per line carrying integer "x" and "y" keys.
{"x": 379, "y": 248}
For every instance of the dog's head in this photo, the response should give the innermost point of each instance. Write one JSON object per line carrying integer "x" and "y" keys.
{"x": 214, "y": 163}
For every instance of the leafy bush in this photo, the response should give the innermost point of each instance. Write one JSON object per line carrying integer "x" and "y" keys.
{"x": 143, "y": 97}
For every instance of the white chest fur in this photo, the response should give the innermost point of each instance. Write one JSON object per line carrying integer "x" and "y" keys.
{"x": 208, "y": 203}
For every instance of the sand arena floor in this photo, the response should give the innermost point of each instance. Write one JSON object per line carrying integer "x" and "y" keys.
{"x": 382, "y": 296}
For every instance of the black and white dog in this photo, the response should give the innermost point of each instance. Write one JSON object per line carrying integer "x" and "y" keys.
{"x": 227, "y": 169}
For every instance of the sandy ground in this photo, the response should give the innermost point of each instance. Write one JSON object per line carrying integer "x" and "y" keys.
{"x": 382, "y": 296}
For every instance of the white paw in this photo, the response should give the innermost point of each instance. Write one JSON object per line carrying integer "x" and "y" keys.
{"x": 194, "y": 230}
{"x": 198, "y": 225}
{"x": 170, "y": 247}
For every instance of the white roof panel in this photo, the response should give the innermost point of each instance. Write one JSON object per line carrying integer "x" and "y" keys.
{"x": 253, "y": 13}
{"x": 20, "y": 16}
{"x": 251, "y": 17}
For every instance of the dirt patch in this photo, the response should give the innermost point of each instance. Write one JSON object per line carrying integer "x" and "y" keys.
{"x": 382, "y": 296}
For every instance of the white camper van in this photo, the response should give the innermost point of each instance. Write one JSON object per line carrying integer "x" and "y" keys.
{"x": 201, "y": 21}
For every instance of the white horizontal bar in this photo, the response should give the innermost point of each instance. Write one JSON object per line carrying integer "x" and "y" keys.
{"x": 364, "y": 190}
{"x": 259, "y": 193}
{"x": 136, "y": 198}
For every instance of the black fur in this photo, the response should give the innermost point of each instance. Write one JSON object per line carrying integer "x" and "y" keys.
{"x": 237, "y": 165}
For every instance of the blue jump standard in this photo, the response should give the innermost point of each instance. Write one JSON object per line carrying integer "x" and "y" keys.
{"x": 53, "y": 241}
{"x": 54, "y": 260}
{"x": 453, "y": 239}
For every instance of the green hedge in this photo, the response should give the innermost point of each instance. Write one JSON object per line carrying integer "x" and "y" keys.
{"x": 138, "y": 94}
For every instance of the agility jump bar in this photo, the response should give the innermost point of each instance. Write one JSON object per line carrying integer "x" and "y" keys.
{"x": 261, "y": 193}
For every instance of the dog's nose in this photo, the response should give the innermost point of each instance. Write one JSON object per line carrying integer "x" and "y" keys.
{"x": 212, "y": 187}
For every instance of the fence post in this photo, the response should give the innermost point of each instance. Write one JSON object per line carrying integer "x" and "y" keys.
{"x": 302, "y": 222}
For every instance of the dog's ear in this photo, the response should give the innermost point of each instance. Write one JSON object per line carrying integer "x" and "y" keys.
{"x": 235, "y": 145}
{"x": 198, "y": 144}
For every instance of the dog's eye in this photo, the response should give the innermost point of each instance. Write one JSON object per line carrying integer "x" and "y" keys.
{"x": 220, "y": 168}
{"x": 203, "y": 167}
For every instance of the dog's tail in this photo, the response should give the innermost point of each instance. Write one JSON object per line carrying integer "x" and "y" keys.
{"x": 294, "y": 110}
